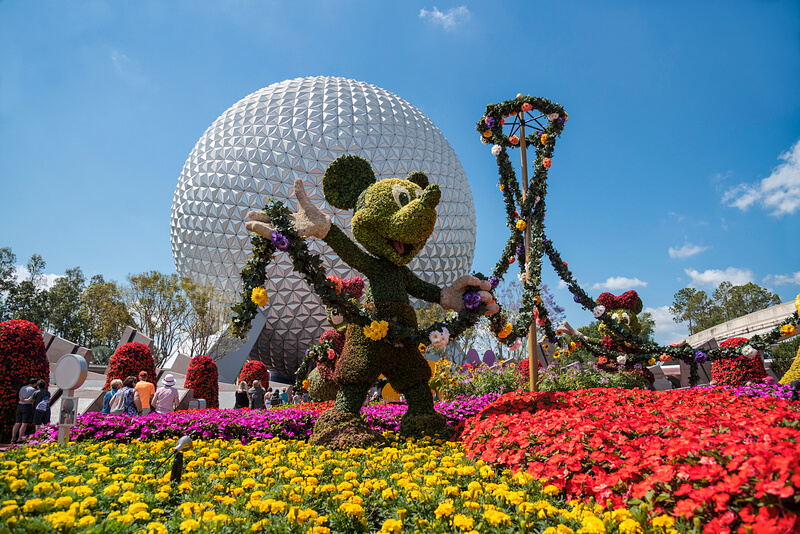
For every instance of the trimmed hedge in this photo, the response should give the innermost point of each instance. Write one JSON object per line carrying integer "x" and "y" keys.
{"x": 129, "y": 360}
{"x": 203, "y": 378}
{"x": 22, "y": 357}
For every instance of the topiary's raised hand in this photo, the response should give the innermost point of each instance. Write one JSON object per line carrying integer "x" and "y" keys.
{"x": 453, "y": 296}
{"x": 308, "y": 221}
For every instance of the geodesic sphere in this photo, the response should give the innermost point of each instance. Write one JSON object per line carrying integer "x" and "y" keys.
{"x": 295, "y": 129}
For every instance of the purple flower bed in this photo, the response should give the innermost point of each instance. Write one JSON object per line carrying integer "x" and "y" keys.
{"x": 768, "y": 388}
{"x": 243, "y": 425}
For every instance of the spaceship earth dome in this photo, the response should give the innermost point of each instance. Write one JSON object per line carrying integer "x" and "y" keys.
{"x": 294, "y": 129}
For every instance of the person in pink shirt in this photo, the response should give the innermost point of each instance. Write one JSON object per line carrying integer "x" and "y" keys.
{"x": 166, "y": 398}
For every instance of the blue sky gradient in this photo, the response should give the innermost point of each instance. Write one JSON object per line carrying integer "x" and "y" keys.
{"x": 679, "y": 114}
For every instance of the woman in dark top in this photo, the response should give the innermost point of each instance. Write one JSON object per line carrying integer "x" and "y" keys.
{"x": 242, "y": 399}
{"x": 256, "y": 395}
{"x": 41, "y": 405}
{"x": 276, "y": 399}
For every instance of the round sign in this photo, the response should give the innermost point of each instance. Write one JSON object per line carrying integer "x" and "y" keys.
{"x": 71, "y": 371}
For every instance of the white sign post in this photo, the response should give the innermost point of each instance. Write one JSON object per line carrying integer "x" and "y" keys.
{"x": 71, "y": 372}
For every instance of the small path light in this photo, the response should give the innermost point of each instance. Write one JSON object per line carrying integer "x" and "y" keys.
{"x": 183, "y": 444}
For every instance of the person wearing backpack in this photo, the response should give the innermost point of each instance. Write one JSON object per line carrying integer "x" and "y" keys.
{"x": 115, "y": 385}
{"x": 126, "y": 400}
{"x": 41, "y": 404}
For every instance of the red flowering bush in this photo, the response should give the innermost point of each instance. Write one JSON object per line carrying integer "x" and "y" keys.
{"x": 203, "y": 377}
{"x": 729, "y": 461}
{"x": 22, "y": 357}
{"x": 254, "y": 370}
{"x": 130, "y": 359}
{"x": 739, "y": 369}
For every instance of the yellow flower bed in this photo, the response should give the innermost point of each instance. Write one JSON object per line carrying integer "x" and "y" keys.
{"x": 284, "y": 486}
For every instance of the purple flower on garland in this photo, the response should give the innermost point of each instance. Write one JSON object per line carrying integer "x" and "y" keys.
{"x": 472, "y": 300}
{"x": 494, "y": 281}
{"x": 700, "y": 357}
{"x": 577, "y": 299}
{"x": 280, "y": 242}
{"x": 520, "y": 250}
{"x": 539, "y": 133}
{"x": 560, "y": 120}
{"x": 544, "y": 241}
{"x": 490, "y": 122}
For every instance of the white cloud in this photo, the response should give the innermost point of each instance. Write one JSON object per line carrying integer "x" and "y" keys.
{"x": 561, "y": 284}
{"x": 48, "y": 280}
{"x": 783, "y": 279}
{"x": 714, "y": 277}
{"x": 448, "y": 19}
{"x": 667, "y": 331}
{"x": 779, "y": 192}
{"x": 127, "y": 70}
{"x": 686, "y": 250}
{"x": 620, "y": 282}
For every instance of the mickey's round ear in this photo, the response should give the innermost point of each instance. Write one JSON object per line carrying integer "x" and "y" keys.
{"x": 345, "y": 178}
{"x": 419, "y": 178}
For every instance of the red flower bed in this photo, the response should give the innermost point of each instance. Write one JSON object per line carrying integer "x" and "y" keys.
{"x": 254, "y": 370}
{"x": 739, "y": 370}
{"x": 22, "y": 357}
{"x": 729, "y": 461}
{"x": 129, "y": 360}
{"x": 203, "y": 377}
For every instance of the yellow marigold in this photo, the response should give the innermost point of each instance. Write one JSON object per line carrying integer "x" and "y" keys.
{"x": 87, "y": 520}
{"x": 663, "y": 521}
{"x": 9, "y": 510}
{"x": 521, "y": 225}
{"x": 560, "y": 529}
{"x": 189, "y": 525}
{"x": 392, "y": 525}
{"x": 496, "y": 517}
{"x": 18, "y": 485}
{"x": 505, "y": 331}
{"x": 377, "y": 330}
{"x": 259, "y": 296}
{"x": 463, "y": 522}
{"x": 544, "y": 139}
{"x": 156, "y": 528}
{"x": 630, "y": 526}
{"x": 63, "y": 502}
{"x": 319, "y": 530}
{"x": 787, "y": 330}
{"x": 592, "y": 524}
{"x": 306, "y": 383}
{"x": 46, "y": 476}
{"x": 551, "y": 490}
{"x": 61, "y": 520}
{"x": 445, "y": 509}
{"x": 651, "y": 361}
{"x": 352, "y": 509}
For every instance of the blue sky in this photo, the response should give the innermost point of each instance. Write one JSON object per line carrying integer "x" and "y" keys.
{"x": 679, "y": 165}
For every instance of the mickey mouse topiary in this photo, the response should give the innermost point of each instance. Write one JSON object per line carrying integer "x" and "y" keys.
{"x": 254, "y": 370}
{"x": 392, "y": 220}
{"x": 129, "y": 360}
{"x": 22, "y": 357}
{"x": 203, "y": 377}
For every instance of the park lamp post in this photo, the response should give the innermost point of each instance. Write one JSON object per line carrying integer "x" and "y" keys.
{"x": 183, "y": 444}
{"x": 70, "y": 374}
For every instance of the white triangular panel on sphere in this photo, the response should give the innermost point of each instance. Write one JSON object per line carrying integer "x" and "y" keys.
{"x": 294, "y": 129}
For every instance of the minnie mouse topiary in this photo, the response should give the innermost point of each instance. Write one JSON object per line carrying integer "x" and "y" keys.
{"x": 624, "y": 310}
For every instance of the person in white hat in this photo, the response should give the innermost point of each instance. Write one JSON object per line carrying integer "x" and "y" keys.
{"x": 166, "y": 398}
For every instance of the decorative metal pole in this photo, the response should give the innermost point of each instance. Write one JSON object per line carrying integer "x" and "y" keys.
{"x": 533, "y": 356}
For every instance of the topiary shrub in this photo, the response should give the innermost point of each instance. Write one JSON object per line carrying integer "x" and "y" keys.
{"x": 22, "y": 357}
{"x": 254, "y": 370}
{"x": 130, "y": 359}
{"x": 203, "y": 378}
{"x": 739, "y": 370}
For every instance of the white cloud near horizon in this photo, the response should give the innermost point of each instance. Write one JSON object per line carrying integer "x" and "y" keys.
{"x": 779, "y": 192}
{"x": 620, "y": 282}
{"x": 783, "y": 279}
{"x": 447, "y": 19}
{"x": 667, "y": 330}
{"x": 686, "y": 250}
{"x": 22, "y": 273}
{"x": 714, "y": 277}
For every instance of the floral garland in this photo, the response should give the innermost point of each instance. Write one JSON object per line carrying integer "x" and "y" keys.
{"x": 532, "y": 209}
{"x": 286, "y": 239}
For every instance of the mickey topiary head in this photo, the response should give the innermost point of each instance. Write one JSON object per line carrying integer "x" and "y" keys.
{"x": 625, "y": 309}
{"x": 392, "y": 218}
